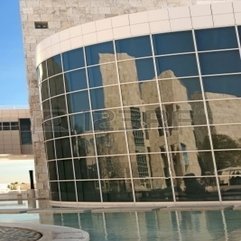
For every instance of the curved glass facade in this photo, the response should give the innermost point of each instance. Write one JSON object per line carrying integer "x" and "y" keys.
{"x": 149, "y": 118}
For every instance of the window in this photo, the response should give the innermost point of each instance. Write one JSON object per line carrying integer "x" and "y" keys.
{"x": 41, "y": 25}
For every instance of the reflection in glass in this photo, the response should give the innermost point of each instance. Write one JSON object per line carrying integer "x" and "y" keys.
{"x": 104, "y": 74}
{"x": 58, "y": 106}
{"x": 177, "y": 42}
{"x": 80, "y": 123}
{"x": 152, "y": 190}
{"x": 220, "y": 62}
{"x": 114, "y": 167}
{"x": 56, "y": 85}
{"x": 60, "y": 127}
{"x": 88, "y": 191}
{"x": 42, "y": 71}
{"x": 180, "y": 65}
{"x": 227, "y": 86}
{"x": 45, "y": 90}
{"x": 85, "y": 168}
{"x": 216, "y": 38}
{"x": 67, "y": 191}
{"x": 75, "y": 80}
{"x": 78, "y": 101}
{"x": 46, "y": 110}
{"x": 73, "y": 59}
{"x": 52, "y": 170}
{"x": 63, "y": 148}
{"x": 65, "y": 169}
{"x": 83, "y": 145}
{"x": 117, "y": 191}
{"x": 132, "y": 48}
{"x": 50, "y": 150}
{"x": 145, "y": 69}
{"x": 54, "y": 191}
{"x": 48, "y": 131}
{"x": 54, "y": 65}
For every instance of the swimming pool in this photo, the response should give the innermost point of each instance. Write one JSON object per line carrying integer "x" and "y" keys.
{"x": 150, "y": 225}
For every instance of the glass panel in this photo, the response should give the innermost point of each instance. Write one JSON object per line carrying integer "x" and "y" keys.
{"x": 73, "y": 59}
{"x": 139, "y": 93}
{"x": 179, "y": 65}
{"x": 226, "y": 136}
{"x": 216, "y": 38}
{"x": 65, "y": 170}
{"x": 168, "y": 43}
{"x": 83, "y": 145}
{"x": 42, "y": 71}
{"x": 100, "y": 53}
{"x": 44, "y": 90}
{"x": 48, "y": 131}
{"x": 50, "y": 150}
{"x": 190, "y": 138}
{"x": 54, "y": 191}
{"x": 153, "y": 190}
{"x": 54, "y": 65}
{"x": 105, "y": 74}
{"x": 111, "y": 143}
{"x": 133, "y": 47}
{"x": 78, "y": 102}
{"x": 175, "y": 89}
{"x": 56, "y": 85}
{"x": 52, "y": 170}
{"x": 227, "y": 86}
{"x": 220, "y": 62}
{"x": 114, "y": 167}
{"x": 108, "y": 120}
{"x": 105, "y": 97}
{"x": 58, "y": 106}
{"x": 184, "y": 114}
{"x": 75, "y": 80}
{"x": 67, "y": 191}
{"x": 6, "y": 126}
{"x": 149, "y": 165}
{"x": 46, "y": 110}
{"x": 60, "y": 127}
{"x": 14, "y": 125}
{"x": 145, "y": 69}
{"x": 117, "y": 191}
{"x": 63, "y": 148}
{"x": 80, "y": 123}
{"x": 88, "y": 191}
{"x": 85, "y": 168}
{"x": 224, "y": 111}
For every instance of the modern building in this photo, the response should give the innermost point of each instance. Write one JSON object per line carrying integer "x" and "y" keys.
{"x": 137, "y": 104}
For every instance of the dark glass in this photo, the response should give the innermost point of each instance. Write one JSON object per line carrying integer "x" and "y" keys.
{"x": 45, "y": 90}
{"x": 46, "y": 110}
{"x": 139, "y": 93}
{"x": 226, "y": 86}
{"x": 100, "y": 53}
{"x": 63, "y": 148}
{"x": 145, "y": 69}
{"x": 114, "y": 167}
{"x": 83, "y": 145}
{"x": 67, "y": 191}
{"x": 25, "y": 131}
{"x": 14, "y": 125}
{"x": 58, "y": 106}
{"x": 75, "y": 80}
{"x": 216, "y": 38}
{"x": 85, "y": 168}
{"x": 50, "y": 150}
{"x": 151, "y": 190}
{"x": 224, "y": 111}
{"x": 80, "y": 123}
{"x": 184, "y": 114}
{"x": 168, "y": 43}
{"x": 190, "y": 138}
{"x": 78, "y": 101}
{"x": 176, "y": 66}
{"x": 220, "y": 62}
{"x": 88, "y": 191}
{"x": 60, "y": 127}
{"x": 65, "y": 169}
{"x": 175, "y": 89}
{"x": 6, "y": 126}
{"x": 97, "y": 98}
{"x": 54, "y": 191}
{"x": 52, "y": 170}
{"x": 42, "y": 71}
{"x": 73, "y": 59}
{"x": 226, "y": 136}
{"x": 117, "y": 191}
{"x": 56, "y": 85}
{"x": 111, "y": 143}
{"x": 54, "y": 65}
{"x": 104, "y": 74}
{"x": 133, "y": 47}
{"x": 48, "y": 131}
{"x": 108, "y": 120}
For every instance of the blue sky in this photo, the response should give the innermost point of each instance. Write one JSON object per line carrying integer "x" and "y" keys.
{"x": 13, "y": 91}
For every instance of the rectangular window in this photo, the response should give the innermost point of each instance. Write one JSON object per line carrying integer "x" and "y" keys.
{"x": 41, "y": 25}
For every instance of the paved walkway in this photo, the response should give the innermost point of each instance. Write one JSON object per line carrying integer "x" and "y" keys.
{"x": 18, "y": 234}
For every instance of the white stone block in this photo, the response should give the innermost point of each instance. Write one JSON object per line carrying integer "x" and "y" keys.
{"x": 103, "y": 24}
{"x": 160, "y": 26}
{"x": 88, "y": 28}
{"x": 65, "y": 46}
{"x": 122, "y": 32}
{"x": 75, "y": 31}
{"x": 64, "y": 35}
{"x": 180, "y": 24}
{"x": 140, "y": 29}
{"x": 158, "y": 15}
{"x": 202, "y": 22}
{"x": 237, "y": 17}
{"x": 105, "y": 35}
{"x": 223, "y": 20}
{"x": 76, "y": 42}
{"x": 136, "y": 18}
{"x": 200, "y": 10}
{"x": 237, "y": 6}
{"x": 179, "y": 12}
{"x": 221, "y": 8}
{"x": 89, "y": 39}
{"x": 120, "y": 21}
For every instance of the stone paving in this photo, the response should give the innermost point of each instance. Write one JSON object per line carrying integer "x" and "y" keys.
{"x": 18, "y": 234}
